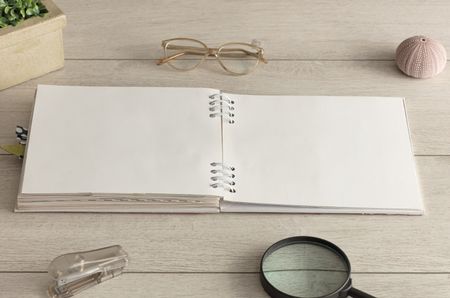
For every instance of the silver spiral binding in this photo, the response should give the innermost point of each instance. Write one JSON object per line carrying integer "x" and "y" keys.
{"x": 223, "y": 177}
{"x": 221, "y": 106}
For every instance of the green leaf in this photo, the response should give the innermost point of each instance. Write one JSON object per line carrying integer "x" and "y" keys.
{"x": 11, "y": 18}
{"x": 3, "y": 22}
{"x": 36, "y": 10}
{"x": 42, "y": 8}
{"x": 13, "y": 13}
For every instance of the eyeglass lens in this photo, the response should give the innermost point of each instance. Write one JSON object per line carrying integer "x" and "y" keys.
{"x": 238, "y": 58}
{"x": 188, "y": 53}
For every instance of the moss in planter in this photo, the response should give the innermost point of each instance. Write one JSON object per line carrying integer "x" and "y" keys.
{"x": 13, "y": 12}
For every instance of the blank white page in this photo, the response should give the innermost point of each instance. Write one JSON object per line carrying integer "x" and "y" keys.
{"x": 345, "y": 152}
{"x": 121, "y": 140}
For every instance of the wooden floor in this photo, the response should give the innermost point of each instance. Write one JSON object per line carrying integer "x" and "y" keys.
{"x": 315, "y": 48}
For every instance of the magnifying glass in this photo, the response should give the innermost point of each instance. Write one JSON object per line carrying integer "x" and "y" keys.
{"x": 307, "y": 267}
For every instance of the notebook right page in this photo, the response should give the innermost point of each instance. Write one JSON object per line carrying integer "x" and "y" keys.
{"x": 330, "y": 152}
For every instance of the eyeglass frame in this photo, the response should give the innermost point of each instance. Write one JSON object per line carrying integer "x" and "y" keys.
{"x": 210, "y": 52}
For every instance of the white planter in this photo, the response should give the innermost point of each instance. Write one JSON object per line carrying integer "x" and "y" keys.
{"x": 32, "y": 48}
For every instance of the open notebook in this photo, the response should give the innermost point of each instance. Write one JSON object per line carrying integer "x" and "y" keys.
{"x": 140, "y": 149}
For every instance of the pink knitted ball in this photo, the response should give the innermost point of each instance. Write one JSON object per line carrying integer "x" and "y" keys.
{"x": 421, "y": 57}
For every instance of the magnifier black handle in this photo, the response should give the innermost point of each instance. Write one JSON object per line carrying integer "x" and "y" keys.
{"x": 355, "y": 293}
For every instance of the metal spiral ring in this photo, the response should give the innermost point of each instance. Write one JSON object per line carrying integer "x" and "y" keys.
{"x": 223, "y": 176}
{"x": 221, "y": 106}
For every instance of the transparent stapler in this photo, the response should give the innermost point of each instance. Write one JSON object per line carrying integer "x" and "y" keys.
{"x": 75, "y": 272}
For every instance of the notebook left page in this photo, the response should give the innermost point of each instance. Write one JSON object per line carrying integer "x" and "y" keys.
{"x": 123, "y": 140}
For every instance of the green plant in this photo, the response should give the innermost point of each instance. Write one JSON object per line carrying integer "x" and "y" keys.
{"x": 13, "y": 12}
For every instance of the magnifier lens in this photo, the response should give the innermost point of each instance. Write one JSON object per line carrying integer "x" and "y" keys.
{"x": 306, "y": 269}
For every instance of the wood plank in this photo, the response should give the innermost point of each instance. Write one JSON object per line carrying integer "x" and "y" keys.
{"x": 229, "y": 242}
{"x": 427, "y": 100}
{"x": 307, "y": 29}
{"x": 34, "y": 285}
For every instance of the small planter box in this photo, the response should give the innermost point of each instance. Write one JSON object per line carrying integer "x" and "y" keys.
{"x": 32, "y": 48}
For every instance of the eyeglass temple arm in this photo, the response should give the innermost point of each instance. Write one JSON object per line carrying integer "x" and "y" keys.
{"x": 258, "y": 55}
{"x": 186, "y": 50}
{"x": 167, "y": 59}
{"x": 201, "y": 51}
{"x": 175, "y": 56}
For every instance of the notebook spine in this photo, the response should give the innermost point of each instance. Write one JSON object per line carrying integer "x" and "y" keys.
{"x": 221, "y": 106}
{"x": 223, "y": 176}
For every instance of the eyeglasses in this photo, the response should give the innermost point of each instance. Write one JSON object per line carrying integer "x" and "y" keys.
{"x": 235, "y": 57}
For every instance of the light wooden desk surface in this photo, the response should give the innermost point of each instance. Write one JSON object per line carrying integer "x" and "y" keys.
{"x": 315, "y": 48}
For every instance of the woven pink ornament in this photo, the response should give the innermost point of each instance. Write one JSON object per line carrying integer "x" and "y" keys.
{"x": 421, "y": 57}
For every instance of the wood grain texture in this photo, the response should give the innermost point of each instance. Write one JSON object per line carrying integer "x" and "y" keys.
{"x": 428, "y": 104}
{"x": 312, "y": 29}
{"x": 158, "y": 285}
{"x": 331, "y": 48}
{"x": 229, "y": 242}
